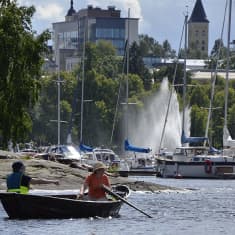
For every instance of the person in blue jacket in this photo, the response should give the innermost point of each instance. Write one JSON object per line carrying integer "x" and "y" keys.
{"x": 19, "y": 182}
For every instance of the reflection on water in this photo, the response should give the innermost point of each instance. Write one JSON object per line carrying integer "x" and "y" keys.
{"x": 207, "y": 209}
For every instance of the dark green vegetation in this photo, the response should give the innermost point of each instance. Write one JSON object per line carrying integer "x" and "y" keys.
{"x": 28, "y": 100}
{"x": 20, "y": 63}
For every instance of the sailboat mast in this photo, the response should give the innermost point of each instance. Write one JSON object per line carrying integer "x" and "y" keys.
{"x": 83, "y": 77}
{"x": 127, "y": 72}
{"x": 58, "y": 101}
{"x": 58, "y": 94}
{"x": 227, "y": 65}
{"x": 185, "y": 60}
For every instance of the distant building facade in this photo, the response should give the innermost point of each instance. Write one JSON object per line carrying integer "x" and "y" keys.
{"x": 198, "y": 30}
{"x": 90, "y": 25}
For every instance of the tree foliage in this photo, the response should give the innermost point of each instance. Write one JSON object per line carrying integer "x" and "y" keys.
{"x": 20, "y": 64}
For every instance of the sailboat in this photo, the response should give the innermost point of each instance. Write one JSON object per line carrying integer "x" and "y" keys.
{"x": 195, "y": 161}
{"x": 228, "y": 142}
{"x": 142, "y": 162}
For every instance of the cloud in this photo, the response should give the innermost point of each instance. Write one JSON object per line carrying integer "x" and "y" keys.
{"x": 52, "y": 11}
{"x": 46, "y": 10}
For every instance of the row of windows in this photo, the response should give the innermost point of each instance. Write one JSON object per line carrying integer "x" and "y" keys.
{"x": 203, "y": 42}
{"x": 110, "y": 33}
{"x": 68, "y": 40}
{"x": 197, "y": 33}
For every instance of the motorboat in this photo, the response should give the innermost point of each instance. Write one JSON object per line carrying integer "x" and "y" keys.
{"x": 141, "y": 164}
{"x": 108, "y": 157}
{"x": 195, "y": 162}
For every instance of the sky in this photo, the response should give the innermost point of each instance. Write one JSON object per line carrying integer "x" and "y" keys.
{"x": 159, "y": 19}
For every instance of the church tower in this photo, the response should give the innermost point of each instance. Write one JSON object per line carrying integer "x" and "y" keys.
{"x": 70, "y": 13}
{"x": 198, "y": 31}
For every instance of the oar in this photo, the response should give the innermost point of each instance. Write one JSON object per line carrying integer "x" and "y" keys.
{"x": 108, "y": 190}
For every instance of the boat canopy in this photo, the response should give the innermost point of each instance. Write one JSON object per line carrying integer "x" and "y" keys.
{"x": 213, "y": 150}
{"x": 191, "y": 140}
{"x": 132, "y": 148}
{"x": 85, "y": 148}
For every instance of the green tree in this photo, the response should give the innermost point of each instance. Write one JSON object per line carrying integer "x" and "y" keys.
{"x": 218, "y": 52}
{"x": 102, "y": 58}
{"x": 231, "y": 120}
{"x": 136, "y": 66}
{"x": 199, "y": 95}
{"x": 44, "y": 129}
{"x": 198, "y": 121}
{"x": 20, "y": 63}
{"x": 150, "y": 47}
{"x": 168, "y": 52}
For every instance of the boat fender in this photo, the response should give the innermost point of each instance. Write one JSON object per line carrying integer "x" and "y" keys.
{"x": 208, "y": 166}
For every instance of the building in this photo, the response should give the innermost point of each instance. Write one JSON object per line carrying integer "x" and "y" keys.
{"x": 91, "y": 25}
{"x": 198, "y": 30}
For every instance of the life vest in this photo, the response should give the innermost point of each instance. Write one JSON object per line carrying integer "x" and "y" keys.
{"x": 14, "y": 183}
{"x": 208, "y": 166}
{"x": 113, "y": 167}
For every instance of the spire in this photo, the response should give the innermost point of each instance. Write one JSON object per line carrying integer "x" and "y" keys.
{"x": 198, "y": 14}
{"x": 71, "y": 11}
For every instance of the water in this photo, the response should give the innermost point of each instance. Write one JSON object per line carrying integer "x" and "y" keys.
{"x": 207, "y": 209}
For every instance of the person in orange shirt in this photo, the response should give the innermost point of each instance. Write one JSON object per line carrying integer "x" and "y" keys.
{"x": 94, "y": 182}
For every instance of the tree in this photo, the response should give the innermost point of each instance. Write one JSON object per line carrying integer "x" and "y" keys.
{"x": 231, "y": 118}
{"x": 168, "y": 52}
{"x": 198, "y": 121}
{"x": 218, "y": 52}
{"x": 20, "y": 63}
{"x": 44, "y": 129}
{"x": 150, "y": 47}
{"x": 137, "y": 66}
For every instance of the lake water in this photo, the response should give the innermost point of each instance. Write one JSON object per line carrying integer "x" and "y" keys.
{"x": 207, "y": 209}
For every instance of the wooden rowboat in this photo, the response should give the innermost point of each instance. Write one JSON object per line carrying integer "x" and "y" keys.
{"x": 26, "y": 206}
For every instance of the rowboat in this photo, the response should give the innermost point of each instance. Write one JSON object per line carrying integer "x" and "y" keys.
{"x": 28, "y": 206}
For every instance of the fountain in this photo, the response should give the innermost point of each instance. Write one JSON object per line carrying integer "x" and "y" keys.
{"x": 145, "y": 127}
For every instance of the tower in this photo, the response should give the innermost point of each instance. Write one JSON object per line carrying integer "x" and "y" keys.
{"x": 71, "y": 12}
{"x": 198, "y": 30}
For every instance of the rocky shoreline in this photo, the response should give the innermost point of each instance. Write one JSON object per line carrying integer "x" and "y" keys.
{"x": 69, "y": 178}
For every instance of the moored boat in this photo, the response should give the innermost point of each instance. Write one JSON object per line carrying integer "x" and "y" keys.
{"x": 141, "y": 164}
{"x": 196, "y": 162}
{"x": 28, "y": 206}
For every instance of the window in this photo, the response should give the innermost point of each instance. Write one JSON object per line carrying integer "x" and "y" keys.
{"x": 68, "y": 40}
{"x": 110, "y": 33}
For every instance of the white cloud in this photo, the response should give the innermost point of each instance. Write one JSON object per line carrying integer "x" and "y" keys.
{"x": 47, "y": 9}
{"x": 51, "y": 11}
